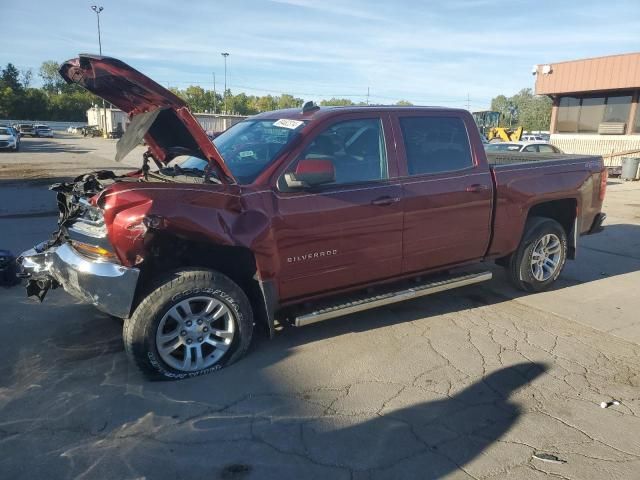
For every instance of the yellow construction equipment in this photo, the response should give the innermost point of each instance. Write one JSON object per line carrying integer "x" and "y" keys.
{"x": 489, "y": 121}
{"x": 505, "y": 134}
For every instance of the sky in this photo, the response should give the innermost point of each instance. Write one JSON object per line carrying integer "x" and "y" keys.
{"x": 455, "y": 53}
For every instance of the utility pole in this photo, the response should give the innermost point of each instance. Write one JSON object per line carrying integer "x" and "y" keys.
{"x": 468, "y": 103}
{"x": 98, "y": 9}
{"x": 215, "y": 100}
{"x": 225, "y": 55}
{"x": 367, "y": 95}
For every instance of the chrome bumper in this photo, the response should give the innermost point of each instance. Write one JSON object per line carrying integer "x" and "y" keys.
{"x": 108, "y": 286}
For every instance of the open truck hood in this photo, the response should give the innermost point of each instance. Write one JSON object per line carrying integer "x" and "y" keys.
{"x": 157, "y": 115}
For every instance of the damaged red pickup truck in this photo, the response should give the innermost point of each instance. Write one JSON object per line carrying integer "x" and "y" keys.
{"x": 296, "y": 216}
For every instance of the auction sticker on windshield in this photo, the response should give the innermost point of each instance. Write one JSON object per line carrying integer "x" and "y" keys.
{"x": 287, "y": 123}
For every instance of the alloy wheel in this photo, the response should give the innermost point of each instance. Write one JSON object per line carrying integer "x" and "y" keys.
{"x": 195, "y": 333}
{"x": 545, "y": 258}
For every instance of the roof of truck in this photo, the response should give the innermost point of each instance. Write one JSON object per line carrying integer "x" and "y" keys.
{"x": 321, "y": 112}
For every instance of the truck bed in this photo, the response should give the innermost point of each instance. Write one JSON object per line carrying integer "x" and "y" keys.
{"x": 499, "y": 159}
{"x": 523, "y": 180}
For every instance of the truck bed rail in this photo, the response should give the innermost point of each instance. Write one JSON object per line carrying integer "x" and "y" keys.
{"x": 497, "y": 159}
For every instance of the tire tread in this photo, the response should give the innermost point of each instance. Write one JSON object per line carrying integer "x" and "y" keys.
{"x": 174, "y": 282}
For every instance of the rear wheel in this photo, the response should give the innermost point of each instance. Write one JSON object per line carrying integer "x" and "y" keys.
{"x": 540, "y": 257}
{"x": 195, "y": 322}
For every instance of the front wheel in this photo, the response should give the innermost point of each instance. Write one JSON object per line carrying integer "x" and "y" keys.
{"x": 195, "y": 322}
{"x": 540, "y": 257}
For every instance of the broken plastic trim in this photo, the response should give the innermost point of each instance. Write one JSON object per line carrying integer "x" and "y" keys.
{"x": 136, "y": 130}
{"x": 40, "y": 286}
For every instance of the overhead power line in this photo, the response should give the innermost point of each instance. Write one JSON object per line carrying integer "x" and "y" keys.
{"x": 462, "y": 101}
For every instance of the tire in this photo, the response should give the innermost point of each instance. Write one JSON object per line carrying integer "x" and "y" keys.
{"x": 528, "y": 268}
{"x": 165, "y": 311}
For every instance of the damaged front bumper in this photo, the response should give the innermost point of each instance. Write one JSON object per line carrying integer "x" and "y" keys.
{"x": 109, "y": 286}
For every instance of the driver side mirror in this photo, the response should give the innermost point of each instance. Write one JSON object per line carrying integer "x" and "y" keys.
{"x": 311, "y": 172}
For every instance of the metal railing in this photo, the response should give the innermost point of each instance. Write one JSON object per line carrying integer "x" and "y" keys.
{"x": 608, "y": 159}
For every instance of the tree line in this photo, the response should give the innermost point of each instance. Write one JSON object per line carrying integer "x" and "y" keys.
{"x": 58, "y": 100}
{"x": 55, "y": 100}
{"x": 206, "y": 101}
{"x": 532, "y": 112}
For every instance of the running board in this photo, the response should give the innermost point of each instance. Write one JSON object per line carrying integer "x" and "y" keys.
{"x": 388, "y": 298}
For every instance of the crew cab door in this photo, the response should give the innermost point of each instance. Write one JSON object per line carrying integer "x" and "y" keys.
{"x": 347, "y": 232}
{"x": 447, "y": 191}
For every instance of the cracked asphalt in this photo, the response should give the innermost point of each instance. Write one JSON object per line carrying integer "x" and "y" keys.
{"x": 468, "y": 384}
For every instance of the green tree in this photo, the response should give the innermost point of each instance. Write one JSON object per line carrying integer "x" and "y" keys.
{"x": 289, "y": 101}
{"x": 404, "y": 103}
{"x": 7, "y": 102}
{"x": 532, "y": 112}
{"x": 11, "y": 78}
{"x": 195, "y": 97}
{"x": 212, "y": 101}
{"x": 71, "y": 106}
{"x": 239, "y": 104}
{"x": 501, "y": 104}
{"x": 51, "y": 79}
{"x": 33, "y": 103}
{"x": 265, "y": 103}
{"x": 338, "y": 102}
{"x": 26, "y": 76}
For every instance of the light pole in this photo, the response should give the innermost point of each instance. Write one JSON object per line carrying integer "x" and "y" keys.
{"x": 225, "y": 55}
{"x": 98, "y": 9}
{"x": 215, "y": 100}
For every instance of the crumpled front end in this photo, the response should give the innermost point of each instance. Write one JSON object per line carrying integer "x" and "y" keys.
{"x": 79, "y": 257}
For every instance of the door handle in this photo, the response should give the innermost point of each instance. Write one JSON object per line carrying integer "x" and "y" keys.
{"x": 386, "y": 200}
{"x": 476, "y": 188}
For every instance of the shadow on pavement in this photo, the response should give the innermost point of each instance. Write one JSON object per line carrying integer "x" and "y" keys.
{"x": 450, "y": 432}
{"x": 75, "y": 384}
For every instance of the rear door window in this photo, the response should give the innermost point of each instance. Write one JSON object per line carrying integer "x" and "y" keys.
{"x": 435, "y": 144}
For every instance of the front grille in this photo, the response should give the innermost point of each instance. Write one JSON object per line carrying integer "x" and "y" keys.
{"x": 4, "y": 144}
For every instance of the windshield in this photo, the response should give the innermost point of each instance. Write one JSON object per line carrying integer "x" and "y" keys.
{"x": 4, "y": 131}
{"x": 502, "y": 147}
{"x": 249, "y": 147}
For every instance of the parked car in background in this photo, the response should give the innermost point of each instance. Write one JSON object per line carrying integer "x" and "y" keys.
{"x": 8, "y": 139}
{"x": 532, "y": 138}
{"x": 26, "y": 129}
{"x": 539, "y": 147}
{"x": 15, "y": 134}
{"x": 525, "y": 147}
{"x": 43, "y": 131}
